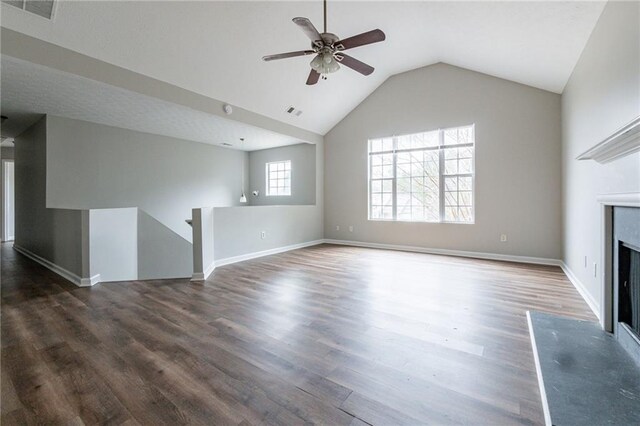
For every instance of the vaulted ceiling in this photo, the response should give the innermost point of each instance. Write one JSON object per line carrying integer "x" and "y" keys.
{"x": 215, "y": 48}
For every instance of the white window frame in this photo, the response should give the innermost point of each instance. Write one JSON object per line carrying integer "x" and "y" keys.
{"x": 268, "y": 191}
{"x": 441, "y": 179}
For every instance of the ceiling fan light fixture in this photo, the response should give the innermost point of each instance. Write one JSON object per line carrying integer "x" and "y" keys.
{"x": 325, "y": 63}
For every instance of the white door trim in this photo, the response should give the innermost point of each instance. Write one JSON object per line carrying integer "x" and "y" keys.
{"x": 3, "y": 217}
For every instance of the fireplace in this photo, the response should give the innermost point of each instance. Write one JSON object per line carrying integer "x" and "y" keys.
{"x": 626, "y": 279}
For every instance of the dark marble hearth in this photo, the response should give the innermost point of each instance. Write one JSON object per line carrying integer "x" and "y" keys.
{"x": 588, "y": 378}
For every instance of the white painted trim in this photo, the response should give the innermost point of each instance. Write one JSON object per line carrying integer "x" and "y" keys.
{"x": 68, "y": 275}
{"x": 627, "y": 199}
{"x": 607, "y": 203}
{"x": 248, "y": 256}
{"x": 447, "y": 252}
{"x": 606, "y": 262}
{"x": 201, "y": 276}
{"x": 543, "y": 393}
{"x": 622, "y": 142}
{"x": 588, "y": 298}
{"x": 3, "y": 219}
{"x": 88, "y": 282}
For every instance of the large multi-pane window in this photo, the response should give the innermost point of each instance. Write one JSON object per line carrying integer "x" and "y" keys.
{"x": 278, "y": 178}
{"x": 424, "y": 177}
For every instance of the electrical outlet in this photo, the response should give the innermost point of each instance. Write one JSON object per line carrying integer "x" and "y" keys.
{"x": 350, "y": 228}
{"x": 263, "y": 235}
{"x": 503, "y": 238}
{"x": 337, "y": 227}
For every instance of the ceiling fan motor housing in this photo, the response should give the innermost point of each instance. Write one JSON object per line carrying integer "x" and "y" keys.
{"x": 328, "y": 39}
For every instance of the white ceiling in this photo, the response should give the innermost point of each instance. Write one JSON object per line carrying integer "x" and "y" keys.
{"x": 215, "y": 48}
{"x": 28, "y": 91}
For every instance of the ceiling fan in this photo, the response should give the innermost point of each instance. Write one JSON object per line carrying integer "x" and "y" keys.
{"x": 328, "y": 49}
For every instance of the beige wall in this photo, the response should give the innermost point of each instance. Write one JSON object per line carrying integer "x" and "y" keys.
{"x": 602, "y": 95}
{"x": 518, "y": 171}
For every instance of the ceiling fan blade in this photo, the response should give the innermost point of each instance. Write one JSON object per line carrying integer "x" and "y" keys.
{"x": 307, "y": 27}
{"x": 313, "y": 78}
{"x": 288, "y": 55}
{"x": 369, "y": 37}
{"x": 354, "y": 64}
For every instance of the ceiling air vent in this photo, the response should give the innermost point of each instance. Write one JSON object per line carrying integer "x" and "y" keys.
{"x": 293, "y": 111}
{"x": 42, "y": 8}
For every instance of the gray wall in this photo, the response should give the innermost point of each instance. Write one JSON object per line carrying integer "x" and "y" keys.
{"x": 161, "y": 252}
{"x": 55, "y": 235}
{"x": 203, "y": 242}
{"x": 518, "y": 170}
{"x": 602, "y": 95}
{"x": 92, "y": 166}
{"x": 303, "y": 174}
{"x": 7, "y": 153}
{"x": 113, "y": 244}
{"x": 238, "y": 230}
{"x": 127, "y": 244}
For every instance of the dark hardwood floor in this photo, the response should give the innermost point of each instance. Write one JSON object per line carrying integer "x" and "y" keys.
{"x": 328, "y": 334}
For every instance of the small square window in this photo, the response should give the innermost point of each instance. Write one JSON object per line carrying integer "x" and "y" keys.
{"x": 278, "y": 177}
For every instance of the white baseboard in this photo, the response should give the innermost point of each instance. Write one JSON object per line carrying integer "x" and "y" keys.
{"x": 248, "y": 256}
{"x": 201, "y": 276}
{"x": 68, "y": 275}
{"x": 543, "y": 393}
{"x": 446, "y": 252}
{"x": 88, "y": 282}
{"x": 593, "y": 305}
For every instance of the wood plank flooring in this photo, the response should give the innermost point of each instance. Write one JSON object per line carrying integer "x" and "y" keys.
{"x": 328, "y": 335}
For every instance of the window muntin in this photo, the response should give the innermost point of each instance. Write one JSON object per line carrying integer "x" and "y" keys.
{"x": 278, "y": 178}
{"x": 423, "y": 177}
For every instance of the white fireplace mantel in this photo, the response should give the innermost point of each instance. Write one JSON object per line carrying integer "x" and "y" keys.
{"x": 626, "y": 199}
{"x": 623, "y": 141}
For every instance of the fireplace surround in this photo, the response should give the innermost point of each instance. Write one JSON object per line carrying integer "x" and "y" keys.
{"x": 625, "y": 308}
{"x": 608, "y": 202}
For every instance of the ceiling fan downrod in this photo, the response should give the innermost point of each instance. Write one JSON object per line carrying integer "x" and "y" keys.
{"x": 325, "y": 15}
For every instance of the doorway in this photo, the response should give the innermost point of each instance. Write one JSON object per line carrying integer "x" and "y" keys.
{"x": 8, "y": 200}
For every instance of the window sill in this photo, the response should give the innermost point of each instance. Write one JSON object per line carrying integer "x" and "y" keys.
{"x": 424, "y": 222}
